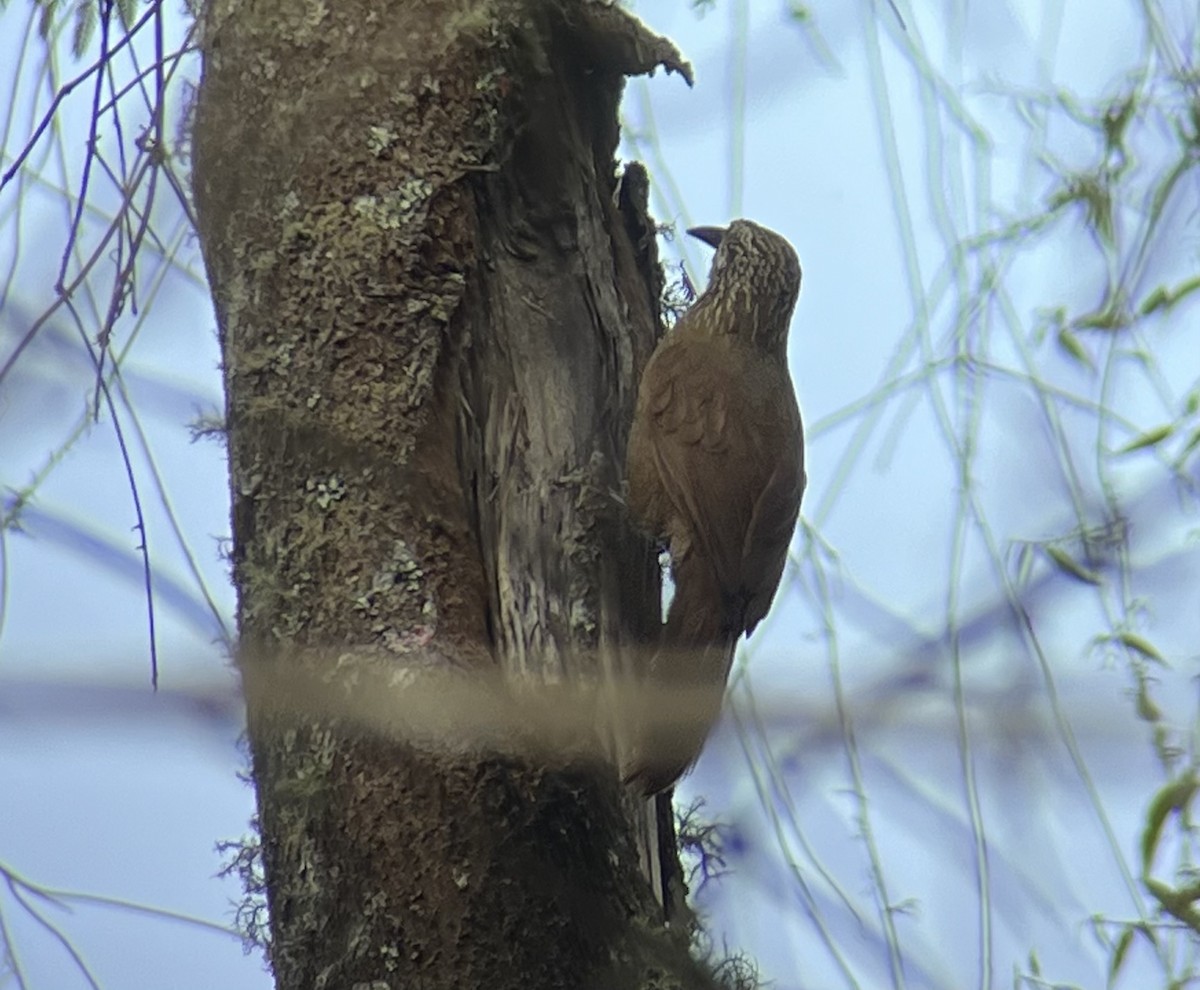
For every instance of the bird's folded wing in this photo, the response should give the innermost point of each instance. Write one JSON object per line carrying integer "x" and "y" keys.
{"x": 769, "y": 534}
{"x": 705, "y": 454}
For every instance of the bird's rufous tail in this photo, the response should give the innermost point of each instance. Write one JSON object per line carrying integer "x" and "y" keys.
{"x": 682, "y": 695}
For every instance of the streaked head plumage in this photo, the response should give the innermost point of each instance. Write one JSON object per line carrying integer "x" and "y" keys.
{"x": 754, "y": 280}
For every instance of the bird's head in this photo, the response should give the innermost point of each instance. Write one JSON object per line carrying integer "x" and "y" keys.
{"x": 754, "y": 281}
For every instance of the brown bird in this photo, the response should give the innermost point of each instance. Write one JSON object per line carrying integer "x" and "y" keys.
{"x": 716, "y": 466}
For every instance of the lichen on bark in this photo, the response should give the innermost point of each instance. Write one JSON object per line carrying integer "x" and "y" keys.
{"x": 433, "y": 304}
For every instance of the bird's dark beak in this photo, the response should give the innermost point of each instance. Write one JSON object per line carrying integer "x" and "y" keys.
{"x": 709, "y": 235}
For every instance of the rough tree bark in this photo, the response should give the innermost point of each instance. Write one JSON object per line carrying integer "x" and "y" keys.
{"x": 434, "y": 301}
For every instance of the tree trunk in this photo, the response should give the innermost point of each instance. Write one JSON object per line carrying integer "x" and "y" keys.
{"x": 434, "y": 300}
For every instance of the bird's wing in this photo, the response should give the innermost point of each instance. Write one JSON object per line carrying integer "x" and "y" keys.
{"x": 706, "y": 451}
{"x": 764, "y": 554}
{"x": 728, "y": 450}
